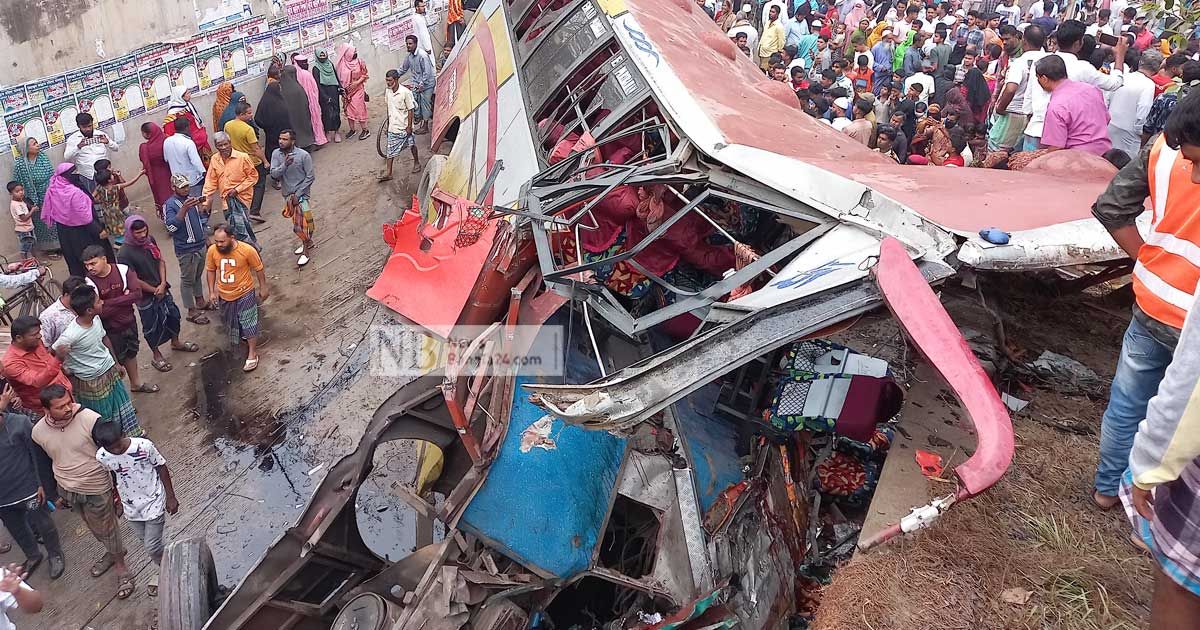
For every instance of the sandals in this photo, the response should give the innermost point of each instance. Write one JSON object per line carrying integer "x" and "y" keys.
{"x": 366, "y": 133}
{"x": 186, "y": 347}
{"x": 145, "y": 388}
{"x": 1104, "y": 502}
{"x": 383, "y": 179}
{"x": 5, "y": 547}
{"x": 102, "y": 566}
{"x": 125, "y": 587}
{"x": 251, "y": 365}
{"x": 199, "y": 320}
{"x": 161, "y": 365}
{"x": 152, "y": 586}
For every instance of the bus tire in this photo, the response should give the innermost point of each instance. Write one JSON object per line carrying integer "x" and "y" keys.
{"x": 187, "y": 585}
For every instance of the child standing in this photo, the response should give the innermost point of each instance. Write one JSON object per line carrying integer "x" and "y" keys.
{"x": 144, "y": 485}
{"x": 22, "y": 219}
{"x": 108, "y": 202}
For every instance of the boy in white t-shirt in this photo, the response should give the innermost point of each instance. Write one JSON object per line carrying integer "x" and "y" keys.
{"x": 22, "y": 219}
{"x": 144, "y": 485}
{"x": 15, "y": 594}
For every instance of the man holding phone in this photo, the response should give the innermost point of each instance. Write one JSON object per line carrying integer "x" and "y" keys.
{"x": 87, "y": 146}
{"x": 190, "y": 238}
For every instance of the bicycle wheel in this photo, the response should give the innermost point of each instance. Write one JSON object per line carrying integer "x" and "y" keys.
{"x": 381, "y": 139}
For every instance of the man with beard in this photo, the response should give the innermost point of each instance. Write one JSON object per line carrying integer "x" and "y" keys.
{"x": 232, "y": 177}
{"x": 86, "y": 147}
{"x": 232, "y": 268}
{"x": 293, "y": 167}
{"x": 423, "y": 78}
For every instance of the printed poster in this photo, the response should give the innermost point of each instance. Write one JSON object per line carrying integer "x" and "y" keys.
{"x": 360, "y": 15}
{"x": 127, "y": 97}
{"x": 287, "y": 39}
{"x": 47, "y": 89}
{"x": 259, "y": 47}
{"x": 14, "y": 98}
{"x": 302, "y": 10}
{"x": 380, "y": 9}
{"x": 312, "y": 32}
{"x": 254, "y": 26}
{"x": 156, "y": 84}
{"x": 210, "y": 67}
{"x": 401, "y": 6}
{"x": 120, "y": 68}
{"x": 225, "y": 34}
{"x": 233, "y": 59}
{"x": 26, "y": 123}
{"x": 183, "y": 72}
{"x": 59, "y": 115}
{"x": 85, "y": 78}
{"x": 99, "y": 103}
{"x": 337, "y": 24}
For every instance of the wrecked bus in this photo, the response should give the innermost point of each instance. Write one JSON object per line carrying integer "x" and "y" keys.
{"x": 617, "y": 170}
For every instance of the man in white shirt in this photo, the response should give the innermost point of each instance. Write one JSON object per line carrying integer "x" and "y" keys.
{"x": 1131, "y": 103}
{"x": 1103, "y": 24}
{"x": 925, "y": 78}
{"x": 181, "y": 155}
{"x": 86, "y": 147}
{"x": 1038, "y": 9}
{"x": 1013, "y": 103}
{"x": 902, "y": 27}
{"x": 1070, "y": 39}
{"x": 421, "y": 29}
{"x": 15, "y": 594}
{"x": 400, "y": 106}
{"x": 1010, "y": 12}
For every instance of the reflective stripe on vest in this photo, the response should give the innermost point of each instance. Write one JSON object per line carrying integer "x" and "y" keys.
{"x": 1168, "y": 265}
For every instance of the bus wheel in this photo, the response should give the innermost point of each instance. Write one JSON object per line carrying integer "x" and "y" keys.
{"x": 187, "y": 585}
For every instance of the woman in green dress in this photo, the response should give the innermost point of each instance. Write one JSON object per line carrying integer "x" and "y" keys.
{"x": 33, "y": 170}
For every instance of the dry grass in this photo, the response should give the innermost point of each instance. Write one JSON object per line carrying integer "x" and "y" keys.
{"x": 1034, "y": 531}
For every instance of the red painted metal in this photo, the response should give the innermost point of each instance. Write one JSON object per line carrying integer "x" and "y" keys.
{"x": 926, "y": 323}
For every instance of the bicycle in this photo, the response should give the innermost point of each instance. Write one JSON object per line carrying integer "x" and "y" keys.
{"x": 32, "y": 298}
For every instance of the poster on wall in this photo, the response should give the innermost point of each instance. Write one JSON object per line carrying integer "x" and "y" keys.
{"x": 233, "y": 60}
{"x": 302, "y": 10}
{"x": 337, "y": 24}
{"x": 225, "y": 34}
{"x": 47, "y": 89}
{"x": 59, "y": 115}
{"x": 259, "y": 47}
{"x": 254, "y": 26}
{"x": 401, "y": 6}
{"x": 127, "y": 97}
{"x": 14, "y": 98}
{"x": 287, "y": 39}
{"x": 380, "y": 9}
{"x": 209, "y": 67}
{"x": 120, "y": 68}
{"x": 392, "y": 31}
{"x": 85, "y": 78}
{"x": 312, "y": 32}
{"x": 99, "y": 103}
{"x": 156, "y": 84}
{"x": 183, "y": 72}
{"x": 360, "y": 15}
{"x": 26, "y": 123}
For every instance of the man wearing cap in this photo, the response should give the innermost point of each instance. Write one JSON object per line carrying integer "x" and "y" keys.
{"x": 838, "y": 112}
{"x": 925, "y": 78}
{"x": 190, "y": 237}
{"x": 882, "y": 53}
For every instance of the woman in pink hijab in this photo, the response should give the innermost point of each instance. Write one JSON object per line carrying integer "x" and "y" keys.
{"x": 353, "y": 74}
{"x": 309, "y": 83}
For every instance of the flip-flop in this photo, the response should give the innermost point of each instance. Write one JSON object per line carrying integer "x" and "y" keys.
{"x": 199, "y": 320}
{"x": 250, "y": 366}
{"x": 1102, "y": 507}
{"x": 161, "y": 365}
{"x": 152, "y": 587}
{"x": 125, "y": 587}
{"x": 5, "y": 547}
{"x": 102, "y": 565}
{"x": 145, "y": 388}
{"x": 186, "y": 347}
{"x": 383, "y": 178}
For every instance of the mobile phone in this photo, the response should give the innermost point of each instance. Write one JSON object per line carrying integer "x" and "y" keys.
{"x": 1106, "y": 39}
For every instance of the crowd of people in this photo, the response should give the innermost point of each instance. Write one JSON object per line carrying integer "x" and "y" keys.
{"x": 991, "y": 83}
{"x": 70, "y": 435}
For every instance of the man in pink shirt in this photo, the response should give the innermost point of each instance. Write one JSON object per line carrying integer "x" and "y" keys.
{"x": 1076, "y": 117}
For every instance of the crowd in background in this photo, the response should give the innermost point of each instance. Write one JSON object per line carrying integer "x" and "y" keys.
{"x": 989, "y": 83}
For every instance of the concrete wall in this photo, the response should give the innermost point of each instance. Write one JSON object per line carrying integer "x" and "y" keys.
{"x": 378, "y": 59}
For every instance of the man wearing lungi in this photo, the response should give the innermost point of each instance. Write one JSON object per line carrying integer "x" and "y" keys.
{"x": 400, "y": 106}
{"x": 232, "y": 267}
{"x": 423, "y": 79}
{"x": 293, "y": 168}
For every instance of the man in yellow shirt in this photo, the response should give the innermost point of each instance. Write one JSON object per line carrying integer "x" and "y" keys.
{"x": 242, "y": 136}
{"x": 774, "y": 37}
{"x": 232, "y": 268}
{"x": 232, "y": 175}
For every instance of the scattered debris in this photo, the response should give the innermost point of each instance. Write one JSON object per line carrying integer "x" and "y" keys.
{"x": 1067, "y": 375}
{"x": 930, "y": 463}
{"x": 1013, "y": 403}
{"x": 1017, "y": 596}
{"x": 538, "y": 436}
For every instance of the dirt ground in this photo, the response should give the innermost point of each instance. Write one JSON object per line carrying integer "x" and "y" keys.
{"x": 246, "y": 450}
{"x": 1031, "y": 552}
